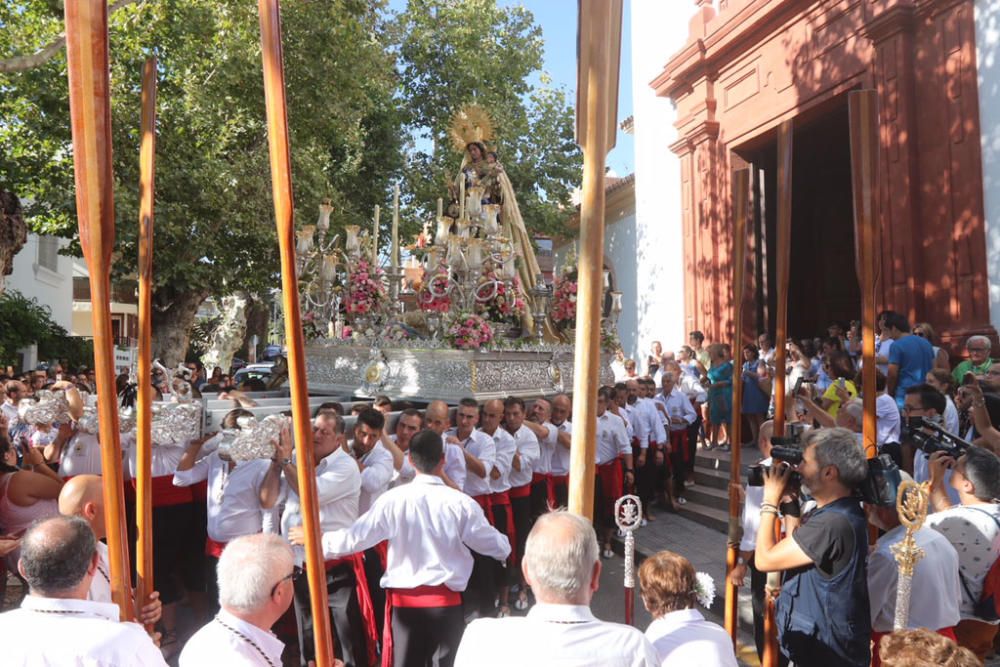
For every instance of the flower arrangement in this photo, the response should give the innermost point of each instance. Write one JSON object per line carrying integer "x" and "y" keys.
{"x": 564, "y": 302}
{"x": 396, "y": 332}
{"x": 365, "y": 291}
{"x": 609, "y": 340}
{"x": 432, "y": 297}
{"x": 311, "y": 329}
{"x": 469, "y": 332}
{"x": 506, "y": 304}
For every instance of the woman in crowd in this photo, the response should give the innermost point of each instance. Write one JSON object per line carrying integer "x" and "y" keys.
{"x": 679, "y": 633}
{"x": 839, "y": 367}
{"x": 941, "y": 358}
{"x": 756, "y": 389}
{"x": 25, "y": 495}
{"x": 653, "y": 360}
{"x": 720, "y": 393}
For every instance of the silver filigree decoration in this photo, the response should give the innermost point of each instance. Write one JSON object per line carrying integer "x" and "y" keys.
{"x": 254, "y": 439}
{"x": 50, "y": 407}
{"x": 628, "y": 518}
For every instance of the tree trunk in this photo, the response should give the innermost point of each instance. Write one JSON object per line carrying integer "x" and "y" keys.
{"x": 228, "y": 336}
{"x": 172, "y": 322}
{"x": 258, "y": 323}
{"x": 13, "y": 233}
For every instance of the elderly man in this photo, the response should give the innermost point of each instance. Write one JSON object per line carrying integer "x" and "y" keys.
{"x": 562, "y": 564}
{"x": 338, "y": 487}
{"x": 979, "y": 360}
{"x": 430, "y": 529}
{"x": 57, "y": 624}
{"x": 255, "y": 577}
{"x": 454, "y": 471}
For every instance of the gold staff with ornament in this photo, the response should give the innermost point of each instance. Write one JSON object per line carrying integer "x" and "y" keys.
{"x": 911, "y": 504}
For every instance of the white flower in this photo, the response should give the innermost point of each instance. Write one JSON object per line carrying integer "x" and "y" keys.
{"x": 704, "y": 589}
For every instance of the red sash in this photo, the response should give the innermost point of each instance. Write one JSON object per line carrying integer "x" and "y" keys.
{"x": 678, "y": 439}
{"x": 503, "y": 499}
{"x": 877, "y": 637}
{"x": 364, "y": 599}
{"x": 421, "y": 597}
{"x": 521, "y": 491}
{"x": 213, "y": 548}
{"x": 552, "y": 481}
{"x": 165, "y": 494}
{"x": 484, "y": 502}
{"x": 610, "y": 476}
{"x": 199, "y": 492}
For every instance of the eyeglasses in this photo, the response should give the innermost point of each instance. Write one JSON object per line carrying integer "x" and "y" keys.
{"x": 296, "y": 572}
{"x": 977, "y": 349}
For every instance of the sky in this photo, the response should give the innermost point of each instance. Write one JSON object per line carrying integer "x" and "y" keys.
{"x": 557, "y": 19}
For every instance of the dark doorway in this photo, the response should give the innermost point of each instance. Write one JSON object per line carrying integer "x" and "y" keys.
{"x": 823, "y": 285}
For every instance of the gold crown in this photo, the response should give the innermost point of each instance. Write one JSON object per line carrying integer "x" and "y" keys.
{"x": 470, "y": 124}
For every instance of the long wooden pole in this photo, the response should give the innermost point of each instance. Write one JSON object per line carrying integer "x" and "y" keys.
{"x": 863, "y": 112}
{"x": 782, "y": 259}
{"x": 90, "y": 117}
{"x": 281, "y": 185}
{"x": 741, "y": 200}
{"x": 587, "y": 363}
{"x": 144, "y": 406}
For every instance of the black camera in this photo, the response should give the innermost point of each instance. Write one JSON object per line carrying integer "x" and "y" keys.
{"x": 934, "y": 439}
{"x": 790, "y": 455}
{"x": 882, "y": 483}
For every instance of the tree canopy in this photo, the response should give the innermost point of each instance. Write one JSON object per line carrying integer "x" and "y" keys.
{"x": 370, "y": 95}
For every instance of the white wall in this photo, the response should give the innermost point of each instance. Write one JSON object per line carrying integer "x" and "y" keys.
{"x": 659, "y": 29}
{"x": 988, "y": 66}
{"x": 51, "y": 288}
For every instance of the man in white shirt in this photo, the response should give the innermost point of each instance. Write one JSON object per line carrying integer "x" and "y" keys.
{"x": 57, "y": 624}
{"x": 81, "y": 455}
{"x": 503, "y": 518}
{"x": 563, "y": 566}
{"x": 559, "y": 463}
{"x": 430, "y": 529}
{"x": 678, "y": 414}
{"x": 255, "y": 590}
{"x": 231, "y": 500}
{"x": 338, "y": 486}
{"x": 935, "y": 588}
{"x": 612, "y": 450}
{"x": 928, "y": 403}
{"x": 547, "y": 435}
{"x": 522, "y": 472}
{"x": 410, "y": 423}
{"x": 479, "y": 451}
{"x": 659, "y": 444}
{"x": 973, "y": 528}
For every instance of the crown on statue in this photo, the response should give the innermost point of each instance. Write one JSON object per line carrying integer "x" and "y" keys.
{"x": 470, "y": 124}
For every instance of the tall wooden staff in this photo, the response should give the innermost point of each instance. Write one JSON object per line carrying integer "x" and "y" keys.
{"x": 863, "y": 111}
{"x": 741, "y": 199}
{"x": 281, "y": 185}
{"x": 596, "y": 104}
{"x": 782, "y": 259}
{"x": 144, "y": 412}
{"x": 90, "y": 114}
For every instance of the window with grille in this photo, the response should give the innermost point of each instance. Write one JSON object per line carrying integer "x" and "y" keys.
{"x": 48, "y": 253}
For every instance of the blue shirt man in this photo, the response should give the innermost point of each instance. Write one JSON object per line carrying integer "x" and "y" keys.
{"x": 911, "y": 358}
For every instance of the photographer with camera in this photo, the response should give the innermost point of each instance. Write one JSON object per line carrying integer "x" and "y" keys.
{"x": 973, "y": 528}
{"x": 822, "y": 613}
{"x": 924, "y": 408}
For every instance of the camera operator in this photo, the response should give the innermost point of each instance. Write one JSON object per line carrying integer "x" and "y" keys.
{"x": 981, "y": 410}
{"x": 928, "y": 403}
{"x": 973, "y": 528}
{"x": 822, "y": 613}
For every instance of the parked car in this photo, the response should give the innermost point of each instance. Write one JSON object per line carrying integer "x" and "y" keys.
{"x": 261, "y": 370}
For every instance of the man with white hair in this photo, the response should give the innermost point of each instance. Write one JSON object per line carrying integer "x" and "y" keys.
{"x": 57, "y": 624}
{"x": 563, "y": 567}
{"x": 255, "y": 576}
{"x": 979, "y": 360}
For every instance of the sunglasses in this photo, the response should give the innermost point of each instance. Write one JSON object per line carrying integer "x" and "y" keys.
{"x": 295, "y": 574}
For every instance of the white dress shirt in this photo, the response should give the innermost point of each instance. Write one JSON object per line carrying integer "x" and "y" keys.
{"x": 164, "y": 458}
{"x": 430, "y": 528}
{"x": 887, "y": 419}
{"x": 640, "y": 425}
{"x": 376, "y": 476}
{"x": 50, "y": 632}
{"x": 559, "y": 463}
{"x": 678, "y": 405}
{"x": 528, "y": 452}
{"x": 506, "y": 448}
{"x": 217, "y": 644}
{"x": 753, "y": 498}
{"x": 611, "y": 439}
{"x": 546, "y": 448}
{"x": 654, "y": 424}
{"x": 935, "y": 592}
{"x": 80, "y": 456}
{"x": 951, "y": 422}
{"x": 481, "y": 446}
{"x": 685, "y": 639}
{"x": 454, "y": 467}
{"x": 100, "y": 585}
{"x": 338, "y": 487}
{"x": 554, "y": 634}
{"x": 233, "y": 495}
{"x": 625, "y": 412}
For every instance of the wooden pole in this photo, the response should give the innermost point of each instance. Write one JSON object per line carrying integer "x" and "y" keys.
{"x": 597, "y": 28}
{"x": 741, "y": 200}
{"x": 782, "y": 259}
{"x": 281, "y": 185}
{"x": 144, "y": 406}
{"x": 863, "y": 112}
{"x": 90, "y": 117}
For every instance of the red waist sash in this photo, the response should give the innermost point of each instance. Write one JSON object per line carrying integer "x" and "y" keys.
{"x": 521, "y": 491}
{"x": 213, "y": 548}
{"x": 165, "y": 493}
{"x": 611, "y": 479}
{"x": 421, "y": 597}
{"x": 552, "y": 482}
{"x": 357, "y": 563}
{"x": 484, "y": 502}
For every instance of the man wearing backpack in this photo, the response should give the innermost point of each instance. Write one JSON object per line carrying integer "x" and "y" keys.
{"x": 973, "y": 528}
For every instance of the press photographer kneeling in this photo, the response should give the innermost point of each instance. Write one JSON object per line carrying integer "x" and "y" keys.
{"x": 822, "y": 613}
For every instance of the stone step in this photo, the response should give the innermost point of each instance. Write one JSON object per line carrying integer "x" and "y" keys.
{"x": 707, "y": 496}
{"x": 715, "y": 479}
{"x": 710, "y": 517}
{"x": 716, "y": 460}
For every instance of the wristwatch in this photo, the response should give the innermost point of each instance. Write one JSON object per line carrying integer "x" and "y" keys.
{"x": 741, "y": 560}
{"x": 286, "y": 462}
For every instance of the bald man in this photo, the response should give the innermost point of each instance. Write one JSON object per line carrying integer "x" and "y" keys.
{"x": 453, "y": 474}
{"x": 83, "y": 497}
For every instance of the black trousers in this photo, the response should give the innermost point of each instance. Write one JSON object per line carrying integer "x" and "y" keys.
{"x": 539, "y": 499}
{"x": 645, "y": 476}
{"x": 348, "y": 624}
{"x": 481, "y": 594}
{"x": 758, "y": 580}
{"x": 426, "y": 637}
{"x": 500, "y": 571}
{"x": 521, "y": 508}
{"x": 373, "y": 573}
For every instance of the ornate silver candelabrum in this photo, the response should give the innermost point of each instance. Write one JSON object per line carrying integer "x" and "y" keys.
{"x": 541, "y": 294}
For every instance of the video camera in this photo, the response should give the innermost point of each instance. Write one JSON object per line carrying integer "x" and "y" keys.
{"x": 939, "y": 440}
{"x": 882, "y": 483}
{"x": 784, "y": 449}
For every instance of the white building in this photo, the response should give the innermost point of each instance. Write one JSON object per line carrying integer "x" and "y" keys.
{"x": 41, "y": 273}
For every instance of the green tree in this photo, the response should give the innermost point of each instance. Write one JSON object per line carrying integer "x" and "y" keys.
{"x": 214, "y": 229}
{"x": 27, "y": 322}
{"x": 452, "y": 53}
